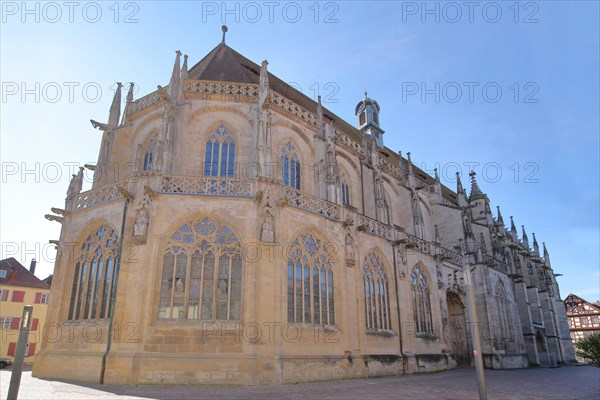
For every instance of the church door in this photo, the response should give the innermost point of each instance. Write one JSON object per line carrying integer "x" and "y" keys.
{"x": 456, "y": 330}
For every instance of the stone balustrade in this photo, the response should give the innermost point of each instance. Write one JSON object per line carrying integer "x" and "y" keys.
{"x": 208, "y": 88}
{"x": 374, "y": 227}
{"x": 95, "y": 197}
{"x": 208, "y": 186}
{"x": 143, "y": 103}
{"x": 313, "y": 204}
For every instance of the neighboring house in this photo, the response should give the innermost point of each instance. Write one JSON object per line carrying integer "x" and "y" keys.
{"x": 265, "y": 240}
{"x": 20, "y": 287}
{"x": 583, "y": 316}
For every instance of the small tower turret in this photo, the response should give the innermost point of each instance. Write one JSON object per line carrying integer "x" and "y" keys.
{"x": 367, "y": 113}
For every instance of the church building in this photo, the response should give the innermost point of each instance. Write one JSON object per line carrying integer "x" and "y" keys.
{"x": 238, "y": 232}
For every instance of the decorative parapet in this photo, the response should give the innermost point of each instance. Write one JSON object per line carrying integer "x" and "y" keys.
{"x": 96, "y": 196}
{"x": 374, "y": 227}
{"x": 392, "y": 169}
{"x": 230, "y": 89}
{"x": 294, "y": 109}
{"x": 495, "y": 263}
{"x": 350, "y": 143}
{"x": 422, "y": 246}
{"x": 451, "y": 256}
{"x": 313, "y": 204}
{"x": 143, "y": 103}
{"x": 208, "y": 186}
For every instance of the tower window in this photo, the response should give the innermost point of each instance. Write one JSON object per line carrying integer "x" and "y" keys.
{"x": 362, "y": 118}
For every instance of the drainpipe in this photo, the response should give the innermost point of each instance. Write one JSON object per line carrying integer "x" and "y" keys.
{"x": 398, "y": 309}
{"x": 113, "y": 293}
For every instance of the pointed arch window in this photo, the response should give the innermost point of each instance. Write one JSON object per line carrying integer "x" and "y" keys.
{"x": 219, "y": 159}
{"x": 310, "y": 296}
{"x": 377, "y": 295}
{"x": 291, "y": 165}
{"x": 94, "y": 277}
{"x": 149, "y": 160}
{"x": 201, "y": 273}
{"x": 501, "y": 301}
{"x": 345, "y": 190}
{"x": 421, "y": 301}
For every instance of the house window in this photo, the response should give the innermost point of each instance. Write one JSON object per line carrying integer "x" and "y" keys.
{"x": 5, "y": 322}
{"x": 594, "y": 320}
{"x": 3, "y": 294}
{"x": 94, "y": 277}
{"x": 584, "y": 321}
{"x": 202, "y": 273}
{"x": 377, "y": 295}
{"x": 41, "y": 298}
{"x": 310, "y": 282}
{"x": 421, "y": 301}
{"x": 2, "y": 273}
{"x": 219, "y": 159}
{"x": 291, "y": 165}
{"x": 18, "y": 296}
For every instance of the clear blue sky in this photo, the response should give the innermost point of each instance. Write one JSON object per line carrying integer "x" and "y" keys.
{"x": 509, "y": 91}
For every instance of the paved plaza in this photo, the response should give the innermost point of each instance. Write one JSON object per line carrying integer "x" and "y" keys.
{"x": 573, "y": 382}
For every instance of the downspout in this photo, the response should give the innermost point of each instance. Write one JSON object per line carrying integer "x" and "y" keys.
{"x": 113, "y": 293}
{"x": 398, "y": 309}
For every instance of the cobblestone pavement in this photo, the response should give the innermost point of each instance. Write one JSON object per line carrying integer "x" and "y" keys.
{"x": 573, "y": 382}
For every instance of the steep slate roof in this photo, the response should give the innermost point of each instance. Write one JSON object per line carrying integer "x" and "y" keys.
{"x": 224, "y": 64}
{"x": 20, "y": 275}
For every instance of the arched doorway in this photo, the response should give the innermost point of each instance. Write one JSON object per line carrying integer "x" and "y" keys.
{"x": 456, "y": 330}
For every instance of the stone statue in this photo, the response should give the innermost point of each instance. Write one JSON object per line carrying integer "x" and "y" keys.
{"x": 263, "y": 89}
{"x": 349, "y": 243}
{"x": 76, "y": 183}
{"x": 141, "y": 223}
{"x": 267, "y": 234}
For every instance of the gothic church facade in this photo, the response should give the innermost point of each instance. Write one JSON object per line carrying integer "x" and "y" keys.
{"x": 238, "y": 232}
